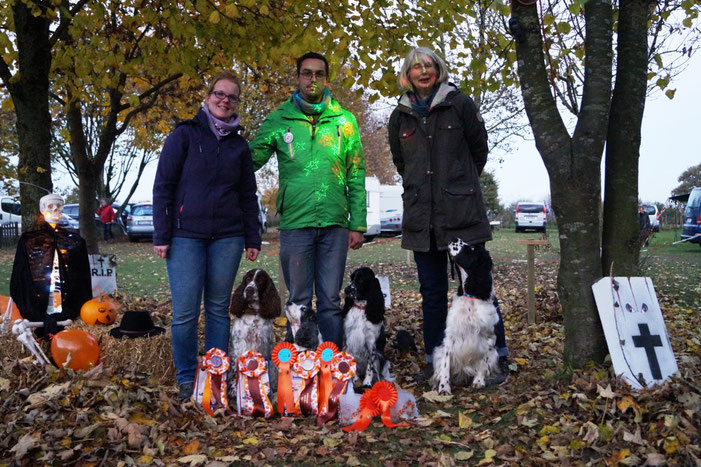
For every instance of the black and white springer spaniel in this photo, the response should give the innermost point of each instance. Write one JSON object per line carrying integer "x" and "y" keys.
{"x": 364, "y": 328}
{"x": 254, "y": 303}
{"x": 468, "y": 348}
{"x": 303, "y": 327}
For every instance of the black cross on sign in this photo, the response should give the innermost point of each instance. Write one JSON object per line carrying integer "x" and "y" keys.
{"x": 649, "y": 342}
{"x": 101, "y": 260}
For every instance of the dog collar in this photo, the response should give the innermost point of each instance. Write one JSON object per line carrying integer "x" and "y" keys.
{"x": 359, "y": 306}
{"x": 467, "y": 295}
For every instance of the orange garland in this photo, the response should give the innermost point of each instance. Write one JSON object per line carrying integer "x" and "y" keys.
{"x": 284, "y": 357}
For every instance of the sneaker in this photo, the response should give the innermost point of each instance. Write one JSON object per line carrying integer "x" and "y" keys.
{"x": 498, "y": 378}
{"x": 185, "y": 391}
{"x": 504, "y": 365}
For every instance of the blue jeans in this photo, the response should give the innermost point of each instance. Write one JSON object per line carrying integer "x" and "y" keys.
{"x": 432, "y": 267}
{"x": 196, "y": 265}
{"x": 314, "y": 259}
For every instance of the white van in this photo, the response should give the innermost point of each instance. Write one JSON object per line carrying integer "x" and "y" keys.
{"x": 531, "y": 215}
{"x": 372, "y": 188}
{"x": 10, "y": 211}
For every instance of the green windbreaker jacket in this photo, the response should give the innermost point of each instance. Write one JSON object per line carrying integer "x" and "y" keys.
{"x": 321, "y": 166}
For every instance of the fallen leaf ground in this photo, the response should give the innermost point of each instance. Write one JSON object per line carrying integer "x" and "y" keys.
{"x": 125, "y": 412}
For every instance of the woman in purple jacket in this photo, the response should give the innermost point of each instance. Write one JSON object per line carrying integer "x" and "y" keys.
{"x": 205, "y": 213}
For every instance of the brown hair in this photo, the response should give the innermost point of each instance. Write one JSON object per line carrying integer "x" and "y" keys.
{"x": 224, "y": 75}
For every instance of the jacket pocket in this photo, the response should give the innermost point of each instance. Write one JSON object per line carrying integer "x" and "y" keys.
{"x": 462, "y": 206}
{"x": 414, "y": 217}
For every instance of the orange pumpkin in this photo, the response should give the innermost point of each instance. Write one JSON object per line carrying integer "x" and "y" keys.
{"x": 82, "y": 348}
{"x": 99, "y": 310}
{"x": 3, "y": 308}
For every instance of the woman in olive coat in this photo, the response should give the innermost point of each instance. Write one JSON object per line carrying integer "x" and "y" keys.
{"x": 439, "y": 145}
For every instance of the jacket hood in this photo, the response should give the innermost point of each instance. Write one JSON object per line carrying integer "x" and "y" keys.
{"x": 444, "y": 90}
{"x": 290, "y": 110}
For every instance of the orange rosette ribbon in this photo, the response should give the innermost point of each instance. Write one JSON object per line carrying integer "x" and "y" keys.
{"x": 307, "y": 368}
{"x": 368, "y": 410}
{"x": 216, "y": 363}
{"x": 343, "y": 370}
{"x": 324, "y": 354}
{"x": 385, "y": 395}
{"x": 284, "y": 357}
{"x": 254, "y": 392}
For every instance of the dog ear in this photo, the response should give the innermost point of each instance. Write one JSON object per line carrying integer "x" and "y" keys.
{"x": 236, "y": 307}
{"x": 375, "y": 309}
{"x": 269, "y": 299}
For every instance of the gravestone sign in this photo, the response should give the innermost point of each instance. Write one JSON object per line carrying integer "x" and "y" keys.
{"x": 103, "y": 272}
{"x": 635, "y": 331}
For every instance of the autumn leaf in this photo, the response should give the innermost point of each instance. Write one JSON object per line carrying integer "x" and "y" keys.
{"x": 433, "y": 396}
{"x": 192, "y": 447}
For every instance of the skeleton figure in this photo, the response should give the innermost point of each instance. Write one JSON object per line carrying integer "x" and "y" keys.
{"x": 50, "y": 277}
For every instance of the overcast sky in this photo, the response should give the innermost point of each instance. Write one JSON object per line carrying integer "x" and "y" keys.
{"x": 671, "y": 143}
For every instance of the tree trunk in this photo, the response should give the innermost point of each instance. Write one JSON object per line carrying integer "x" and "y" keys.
{"x": 88, "y": 177}
{"x": 29, "y": 89}
{"x": 573, "y": 168}
{"x": 621, "y": 239}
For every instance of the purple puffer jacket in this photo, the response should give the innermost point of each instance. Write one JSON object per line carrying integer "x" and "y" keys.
{"x": 205, "y": 188}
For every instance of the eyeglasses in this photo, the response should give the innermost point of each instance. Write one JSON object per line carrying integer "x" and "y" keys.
{"x": 222, "y": 95}
{"x": 422, "y": 66}
{"x": 309, "y": 74}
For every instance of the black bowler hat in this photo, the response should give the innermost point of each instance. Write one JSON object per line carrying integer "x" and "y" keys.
{"x": 136, "y": 324}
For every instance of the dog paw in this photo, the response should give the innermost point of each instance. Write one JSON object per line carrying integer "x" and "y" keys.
{"x": 444, "y": 389}
{"x": 478, "y": 383}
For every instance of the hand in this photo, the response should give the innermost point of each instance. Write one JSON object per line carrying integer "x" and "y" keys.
{"x": 355, "y": 239}
{"x": 252, "y": 254}
{"x": 161, "y": 250}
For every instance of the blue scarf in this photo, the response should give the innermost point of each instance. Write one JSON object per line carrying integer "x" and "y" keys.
{"x": 308, "y": 108}
{"x": 422, "y": 106}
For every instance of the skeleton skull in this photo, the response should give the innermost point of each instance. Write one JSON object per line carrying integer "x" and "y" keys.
{"x": 51, "y": 206}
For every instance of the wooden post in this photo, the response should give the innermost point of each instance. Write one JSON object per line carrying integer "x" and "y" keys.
{"x": 530, "y": 244}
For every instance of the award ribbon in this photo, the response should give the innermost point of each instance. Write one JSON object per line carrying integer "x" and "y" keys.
{"x": 368, "y": 410}
{"x": 307, "y": 368}
{"x": 216, "y": 363}
{"x": 252, "y": 366}
{"x": 385, "y": 395}
{"x": 324, "y": 354}
{"x": 284, "y": 356}
{"x": 342, "y": 371}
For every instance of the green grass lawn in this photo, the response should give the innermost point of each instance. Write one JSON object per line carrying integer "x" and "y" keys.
{"x": 140, "y": 273}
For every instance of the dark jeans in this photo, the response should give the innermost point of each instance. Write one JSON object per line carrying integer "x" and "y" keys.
{"x": 432, "y": 267}
{"x": 313, "y": 260}
{"x": 107, "y": 231}
{"x": 197, "y": 266}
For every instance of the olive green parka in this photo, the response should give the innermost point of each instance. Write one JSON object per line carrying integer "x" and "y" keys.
{"x": 440, "y": 158}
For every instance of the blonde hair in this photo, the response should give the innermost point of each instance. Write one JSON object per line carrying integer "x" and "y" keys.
{"x": 421, "y": 55}
{"x": 224, "y": 75}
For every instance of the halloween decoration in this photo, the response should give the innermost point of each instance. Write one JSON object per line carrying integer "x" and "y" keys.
{"x": 75, "y": 349}
{"x": 136, "y": 324}
{"x": 99, "y": 310}
{"x": 51, "y": 272}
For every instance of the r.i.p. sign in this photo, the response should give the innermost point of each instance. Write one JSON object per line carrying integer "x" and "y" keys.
{"x": 635, "y": 331}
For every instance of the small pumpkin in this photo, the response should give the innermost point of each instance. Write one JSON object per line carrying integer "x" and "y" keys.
{"x": 99, "y": 310}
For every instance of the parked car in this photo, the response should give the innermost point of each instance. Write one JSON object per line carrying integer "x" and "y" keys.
{"x": 654, "y": 215}
{"x": 530, "y": 215}
{"x": 72, "y": 210}
{"x": 140, "y": 222}
{"x": 692, "y": 217}
{"x": 391, "y": 221}
{"x": 67, "y": 221}
{"x": 10, "y": 211}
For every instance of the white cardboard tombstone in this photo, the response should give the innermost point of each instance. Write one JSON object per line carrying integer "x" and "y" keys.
{"x": 384, "y": 285}
{"x": 635, "y": 331}
{"x": 103, "y": 274}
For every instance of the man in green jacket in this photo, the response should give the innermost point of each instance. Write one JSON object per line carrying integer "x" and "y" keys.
{"x": 321, "y": 199}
